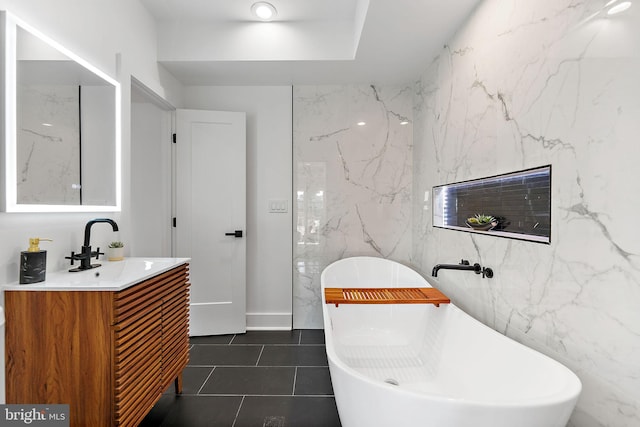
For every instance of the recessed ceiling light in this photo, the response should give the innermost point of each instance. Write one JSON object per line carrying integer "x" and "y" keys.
{"x": 404, "y": 122}
{"x": 264, "y": 11}
{"x": 361, "y": 123}
{"x": 620, "y": 7}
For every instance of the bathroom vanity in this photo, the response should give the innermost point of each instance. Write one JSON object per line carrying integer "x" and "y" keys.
{"x": 107, "y": 341}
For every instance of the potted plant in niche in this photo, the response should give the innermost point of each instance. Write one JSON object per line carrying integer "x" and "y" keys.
{"x": 115, "y": 252}
{"x": 482, "y": 222}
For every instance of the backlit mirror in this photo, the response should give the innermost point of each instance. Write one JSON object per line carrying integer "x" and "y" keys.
{"x": 62, "y": 128}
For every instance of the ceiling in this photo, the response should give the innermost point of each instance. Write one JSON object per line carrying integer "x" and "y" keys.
{"x": 217, "y": 42}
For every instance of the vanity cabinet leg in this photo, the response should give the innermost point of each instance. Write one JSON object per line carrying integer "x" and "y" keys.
{"x": 178, "y": 384}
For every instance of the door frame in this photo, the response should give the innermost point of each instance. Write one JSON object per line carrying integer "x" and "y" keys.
{"x": 139, "y": 89}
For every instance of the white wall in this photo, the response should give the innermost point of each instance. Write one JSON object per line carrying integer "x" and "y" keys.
{"x": 269, "y": 235}
{"x": 96, "y": 31}
{"x": 150, "y": 178}
{"x": 526, "y": 84}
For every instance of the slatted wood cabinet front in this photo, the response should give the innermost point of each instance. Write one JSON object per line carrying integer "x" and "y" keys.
{"x": 109, "y": 355}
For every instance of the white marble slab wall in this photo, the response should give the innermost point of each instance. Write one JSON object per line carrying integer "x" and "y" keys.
{"x": 48, "y": 148}
{"x": 352, "y": 182}
{"x": 523, "y": 84}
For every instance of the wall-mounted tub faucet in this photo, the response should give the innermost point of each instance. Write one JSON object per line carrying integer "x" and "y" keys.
{"x": 487, "y": 272}
{"x": 463, "y": 265}
{"x": 86, "y": 254}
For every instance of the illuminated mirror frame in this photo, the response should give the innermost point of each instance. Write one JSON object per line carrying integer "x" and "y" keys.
{"x": 9, "y": 160}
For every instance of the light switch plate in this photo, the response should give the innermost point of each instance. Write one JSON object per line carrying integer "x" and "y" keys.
{"x": 278, "y": 206}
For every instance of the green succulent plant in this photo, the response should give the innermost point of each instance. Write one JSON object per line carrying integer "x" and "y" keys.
{"x": 481, "y": 219}
{"x": 116, "y": 245}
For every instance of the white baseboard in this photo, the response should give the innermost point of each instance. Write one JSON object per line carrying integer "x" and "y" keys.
{"x": 269, "y": 321}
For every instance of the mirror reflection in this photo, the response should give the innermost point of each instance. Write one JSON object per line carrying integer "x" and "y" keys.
{"x": 65, "y": 130}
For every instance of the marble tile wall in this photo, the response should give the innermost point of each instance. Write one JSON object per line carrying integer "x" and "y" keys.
{"x": 352, "y": 183}
{"x": 524, "y": 84}
{"x": 48, "y": 149}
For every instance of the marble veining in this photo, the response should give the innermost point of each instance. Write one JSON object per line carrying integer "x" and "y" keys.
{"x": 523, "y": 84}
{"x": 48, "y": 148}
{"x": 353, "y": 183}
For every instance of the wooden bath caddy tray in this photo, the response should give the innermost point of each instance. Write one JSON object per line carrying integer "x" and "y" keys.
{"x": 385, "y": 296}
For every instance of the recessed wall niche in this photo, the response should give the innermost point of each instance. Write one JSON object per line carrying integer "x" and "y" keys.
{"x": 516, "y": 205}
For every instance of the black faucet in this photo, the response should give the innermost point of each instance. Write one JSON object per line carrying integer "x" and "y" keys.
{"x": 86, "y": 254}
{"x": 464, "y": 265}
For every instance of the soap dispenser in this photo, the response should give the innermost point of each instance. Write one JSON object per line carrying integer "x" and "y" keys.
{"x": 33, "y": 262}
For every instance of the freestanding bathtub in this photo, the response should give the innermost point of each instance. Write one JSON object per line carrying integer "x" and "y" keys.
{"x": 402, "y": 365}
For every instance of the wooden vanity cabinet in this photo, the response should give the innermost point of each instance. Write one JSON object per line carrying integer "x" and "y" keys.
{"x": 108, "y": 354}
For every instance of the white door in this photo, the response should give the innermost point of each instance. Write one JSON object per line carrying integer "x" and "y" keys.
{"x": 211, "y": 215}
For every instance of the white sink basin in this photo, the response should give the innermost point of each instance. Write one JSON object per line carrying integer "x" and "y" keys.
{"x": 110, "y": 276}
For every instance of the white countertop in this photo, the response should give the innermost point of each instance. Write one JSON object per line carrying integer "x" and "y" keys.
{"x": 110, "y": 276}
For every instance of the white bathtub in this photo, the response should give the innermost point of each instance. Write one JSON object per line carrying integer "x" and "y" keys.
{"x": 402, "y": 365}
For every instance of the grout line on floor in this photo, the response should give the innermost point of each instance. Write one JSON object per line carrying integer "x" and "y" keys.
{"x": 238, "y": 412}
{"x": 205, "y": 381}
{"x": 211, "y": 344}
{"x": 257, "y": 395}
{"x": 274, "y": 344}
{"x": 295, "y": 378}
{"x": 257, "y": 366}
{"x": 259, "y": 356}
{"x": 249, "y": 344}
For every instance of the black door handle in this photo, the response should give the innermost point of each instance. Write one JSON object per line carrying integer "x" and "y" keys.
{"x": 237, "y": 233}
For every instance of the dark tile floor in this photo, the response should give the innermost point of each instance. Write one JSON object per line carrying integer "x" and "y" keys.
{"x": 261, "y": 378}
